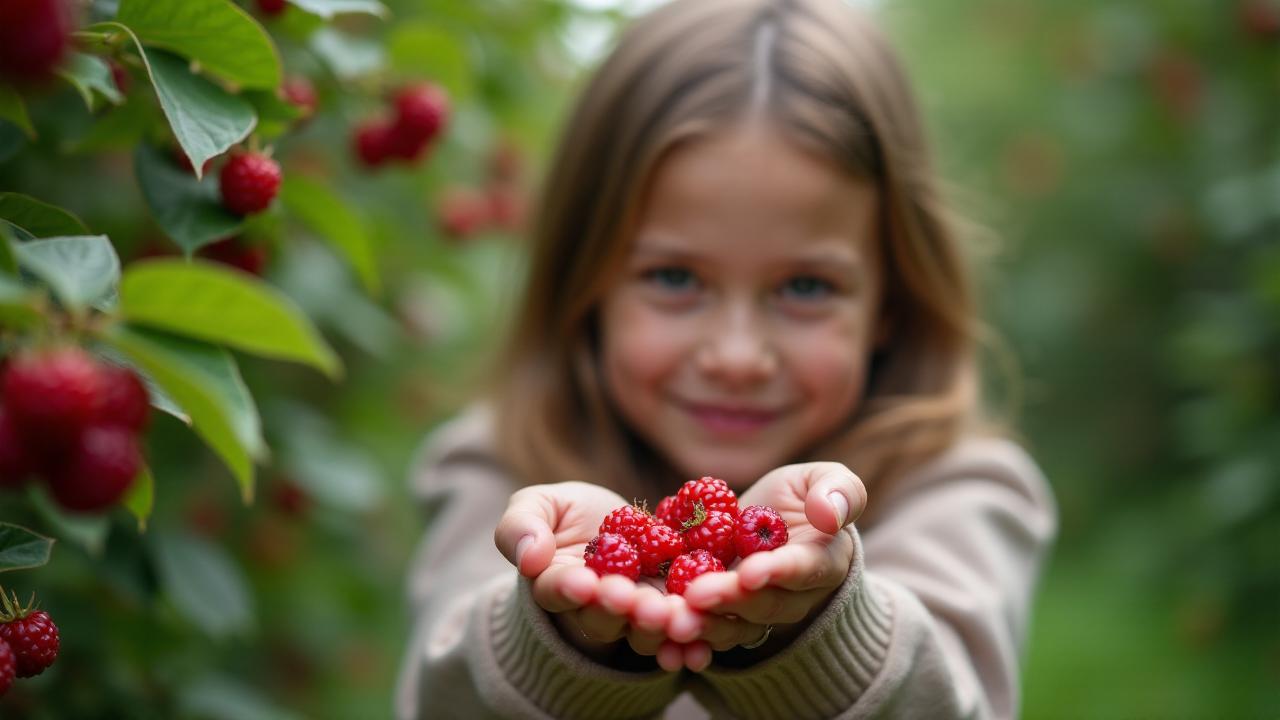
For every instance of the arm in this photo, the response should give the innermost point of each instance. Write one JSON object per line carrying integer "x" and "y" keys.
{"x": 480, "y": 646}
{"x": 930, "y": 620}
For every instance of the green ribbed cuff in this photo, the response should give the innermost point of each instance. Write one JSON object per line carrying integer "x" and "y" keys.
{"x": 561, "y": 681}
{"x": 826, "y": 669}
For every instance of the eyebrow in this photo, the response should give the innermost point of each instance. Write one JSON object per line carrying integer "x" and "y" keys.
{"x": 839, "y": 258}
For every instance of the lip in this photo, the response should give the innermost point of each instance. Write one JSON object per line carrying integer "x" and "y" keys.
{"x": 730, "y": 419}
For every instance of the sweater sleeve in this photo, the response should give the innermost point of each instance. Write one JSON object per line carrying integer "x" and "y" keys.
{"x": 931, "y": 619}
{"x": 480, "y": 647}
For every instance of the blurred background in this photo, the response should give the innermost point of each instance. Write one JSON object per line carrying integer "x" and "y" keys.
{"x": 1125, "y": 157}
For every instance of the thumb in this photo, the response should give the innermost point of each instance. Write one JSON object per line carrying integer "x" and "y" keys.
{"x": 835, "y": 498}
{"x": 524, "y": 534}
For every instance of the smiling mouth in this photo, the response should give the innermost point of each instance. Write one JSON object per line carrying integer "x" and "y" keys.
{"x": 722, "y": 420}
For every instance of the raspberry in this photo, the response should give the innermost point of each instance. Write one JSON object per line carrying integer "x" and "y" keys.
{"x": 406, "y": 144}
{"x": 15, "y": 462}
{"x": 34, "y": 37}
{"x": 628, "y": 521}
{"x": 714, "y": 532}
{"x": 372, "y": 142}
{"x": 610, "y": 554}
{"x": 236, "y": 253}
{"x": 463, "y": 212}
{"x": 99, "y": 469}
{"x": 657, "y": 546}
{"x": 299, "y": 92}
{"x": 666, "y": 512}
{"x": 421, "y": 111}
{"x": 712, "y": 493}
{"x": 124, "y": 399}
{"x": 8, "y": 667}
{"x": 32, "y": 637}
{"x": 52, "y": 396}
{"x": 760, "y": 527}
{"x": 271, "y": 8}
{"x": 249, "y": 182}
{"x": 689, "y": 566}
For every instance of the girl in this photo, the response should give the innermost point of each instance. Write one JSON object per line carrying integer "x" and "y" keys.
{"x": 741, "y": 268}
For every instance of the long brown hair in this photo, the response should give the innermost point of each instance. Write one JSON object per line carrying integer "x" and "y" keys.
{"x": 824, "y": 75}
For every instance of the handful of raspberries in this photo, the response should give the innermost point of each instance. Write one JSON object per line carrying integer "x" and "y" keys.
{"x": 697, "y": 530}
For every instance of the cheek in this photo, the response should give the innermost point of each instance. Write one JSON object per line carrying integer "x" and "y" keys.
{"x": 639, "y": 347}
{"x": 829, "y": 364}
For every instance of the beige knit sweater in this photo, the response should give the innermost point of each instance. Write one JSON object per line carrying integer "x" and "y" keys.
{"x": 929, "y": 623}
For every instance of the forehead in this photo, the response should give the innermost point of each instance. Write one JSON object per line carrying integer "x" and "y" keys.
{"x": 752, "y": 188}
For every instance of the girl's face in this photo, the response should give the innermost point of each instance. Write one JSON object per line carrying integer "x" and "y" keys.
{"x": 739, "y": 332}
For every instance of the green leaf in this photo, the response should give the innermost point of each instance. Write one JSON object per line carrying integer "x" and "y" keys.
{"x": 275, "y": 116}
{"x": 11, "y": 138}
{"x": 211, "y": 302}
{"x": 188, "y": 210}
{"x": 219, "y": 698}
{"x": 419, "y": 47}
{"x": 81, "y": 270}
{"x": 327, "y": 9}
{"x": 21, "y": 548}
{"x": 8, "y": 263}
{"x": 89, "y": 73}
{"x": 39, "y": 218}
{"x": 219, "y": 35}
{"x": 141, "y": 497}
{"x": 17, "y": 309}
{"x": 206, "y": 383}
{"x": 88, "y": 531}
{"x": 325, "y": 213}
{"x": 159, "y": 399}
{"x": 348, "y": 57}
{"x": 203, "y": 583}
{"x": 13, "y": 109}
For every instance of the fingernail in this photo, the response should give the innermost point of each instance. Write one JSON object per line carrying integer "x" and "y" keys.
{"x": 841, "y": 506}
{"x": 522, "y": 547}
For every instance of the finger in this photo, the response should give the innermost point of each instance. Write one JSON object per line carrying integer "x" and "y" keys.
{"x": 708, "y": 591}
{"x": 524, "y": 534}
{"x": 685, "y": 623}
{"x": 651, "y": 610}
{"x": 565, "y": 587}
{"x": 774, "y": 606}
{"x": 601, "y": 625}
{"x": 697, "y": 656}
{"x": 645, "y": 642}
{"x": 835, "y": 496}
{"x": 725, "y": 633}
{"x": 801, "y": 566}
{"x": 671, "y": 656}
{"x": 617, "y": 594}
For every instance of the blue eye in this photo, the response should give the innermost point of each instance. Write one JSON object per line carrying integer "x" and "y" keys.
{"x": 676, "y": 279}
{"x": 807, "y": 287}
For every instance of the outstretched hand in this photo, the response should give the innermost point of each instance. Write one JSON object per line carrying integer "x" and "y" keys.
{"x": 787, "y": 586}
{"x": 544, "y": 533}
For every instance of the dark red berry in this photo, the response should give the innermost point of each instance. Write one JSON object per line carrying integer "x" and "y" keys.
{"x": 33, "y": 638}
{"x": 463, "y": 212}
{"x": 689, "y": 566}
{"x": 657, "y": 546}
{"x": 16, "y": 462}
{"x": 421, "y": 111}
{"x": 711, "y": 493}
{"x": 372, "y": 142}
{"x": 235, "y": 252}
{"x": 52, "y": 396}
{"x": 124, "y": 399}
{"x": 120, "y": 77}
{"x": 97, "y": 471}
{"x": 249, "y": 182}
{"x": 610, "y": 554}
{"x": 8, "y": 667}
{"x": 760, "y": 527}
{"x": 299, "y": 92}
{"x": 714, "y": 533}
{"x": 34, "y": 38}
{"x": 271, "y": 8}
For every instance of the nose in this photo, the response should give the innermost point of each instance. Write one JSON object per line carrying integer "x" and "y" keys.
{"x": 737, "y": 350}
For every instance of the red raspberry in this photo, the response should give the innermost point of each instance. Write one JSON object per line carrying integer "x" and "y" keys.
{"x": 124, "y": 399}
{"x": 666, "y": 512}
{"x": 610, "y": 554}
{"x": 406, "y": 145}
{"x": 249, "y": 182}
{"x": 689, "y": 566}
{"x": 463, "y": 212}
{"x": 8, "y": 667}
{"x": 712, "y": 493}
{"x": 52, "y": 396}
{"x": 299, "y": 92}
{"x": 33, "y": 638}
{"x": 760, "y": 527}
{"x": 628, "y": 521}
{"x": 235, "y": 252}
{"x": 715, "y": 534}
{"x": 34, "y": 37}
{"x": 15, "y": 461}
{"x": 657, "y": 545}
{"x": 372, "y": 141}
{"x": 99, "y": 469}
{"x": 271, "y": 7}
{"x": 421, "y": 111}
